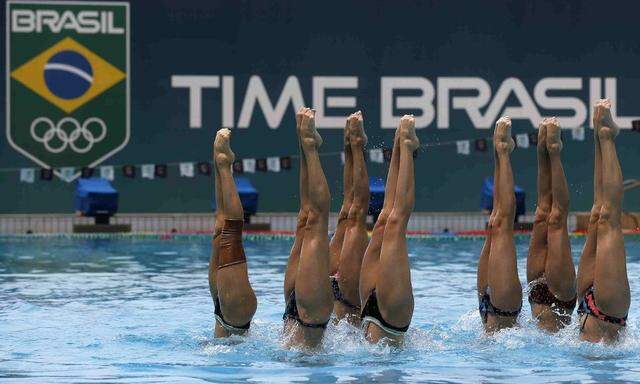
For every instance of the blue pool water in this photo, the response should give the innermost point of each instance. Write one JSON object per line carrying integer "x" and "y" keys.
{"x": 139, "y": 311}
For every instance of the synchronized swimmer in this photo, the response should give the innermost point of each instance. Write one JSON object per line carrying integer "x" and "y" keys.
{"x": 367, "y": 282}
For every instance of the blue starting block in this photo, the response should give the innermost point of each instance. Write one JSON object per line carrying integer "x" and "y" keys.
{"x": 248, "y": 196}
{"x": 95, "y": 197}
{"x": 486, "y": 197}
{"x": 376, "y": 196}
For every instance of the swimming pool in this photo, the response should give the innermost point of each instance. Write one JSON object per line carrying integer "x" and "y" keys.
{"x": 127, "y": 310}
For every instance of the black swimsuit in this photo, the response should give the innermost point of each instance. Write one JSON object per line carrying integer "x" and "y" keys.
{"x": 371, "y": 314}
{"x": 291, "y": 312}
{"x": 588, "y": 307}
{"x": 540, "y": 294}
{"x": 486, "y": 308}
{"x": 337, "y": 294}
{"x": 223, "y": 322}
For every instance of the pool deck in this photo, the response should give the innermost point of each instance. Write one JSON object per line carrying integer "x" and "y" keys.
{"x": 420, "y": 222}
{"x": 257, "y": 235}
{"x": 282, "y": 225}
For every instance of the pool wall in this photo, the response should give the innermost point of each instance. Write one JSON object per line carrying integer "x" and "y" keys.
{"x": 203, "y": 222}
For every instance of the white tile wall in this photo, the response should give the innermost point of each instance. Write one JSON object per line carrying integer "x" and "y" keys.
{"x": 203, "y": 222}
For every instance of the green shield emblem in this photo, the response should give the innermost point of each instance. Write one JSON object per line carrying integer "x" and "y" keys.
{"x": 67, "y": 81}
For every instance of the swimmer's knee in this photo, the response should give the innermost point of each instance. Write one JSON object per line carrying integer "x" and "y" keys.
{"x": 344, "y": 213}
{"x": 541, "y": 215}
{"x": 302, "y": 217}
{"x": 505, "y": 216}
{"x": 397, "y": 219}
{"x": 314, "y": 218}
{"x": 607, "y": 217}
{"x": 594, "y": 215}
{"x": 400, "y": 214}
{"x": 358, "y": 212}
{"x": 383, "y": 217}
{"x": 491, "y": 223}
{"x": 503, "y": 220}
{"x": 557, "y": 217}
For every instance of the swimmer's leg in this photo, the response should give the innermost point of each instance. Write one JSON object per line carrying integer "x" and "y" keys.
{"x": 610, "y": 275}
{"x": 313, "y": 293}
{"x": 506, "y": 292}
{"x": 393, "y": 287}
{"x": 215, "y": 242}
{"x": 355, "y": 240}
{"x": 537, "y": 257}
{"x": 559, "y": 269}
{"x": 370, "y": 262}
{"x": 335, "y": 246}
{"x": 237, "y": 299}
{"x": 587, "y": 263}
{"x": 482, "y": 281}
{"x": 294, "y": 256}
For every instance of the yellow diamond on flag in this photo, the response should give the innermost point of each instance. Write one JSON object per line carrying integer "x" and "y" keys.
{"x": 68, "y": 75}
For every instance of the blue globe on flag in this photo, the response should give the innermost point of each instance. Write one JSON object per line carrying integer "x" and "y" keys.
{"x": 68, "y": 75}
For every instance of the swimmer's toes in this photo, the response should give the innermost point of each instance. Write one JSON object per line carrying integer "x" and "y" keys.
{"x": 502, "y": 135}
{"x": 554, "y": 137}
{"x": 222, "y": 147}
{"x": 502, "y": 130}
{"x": 604, "y": 125}
{"x": 408, "y": 132}
{"x": 356, "y": 130}
{"x": 308, "y": 132}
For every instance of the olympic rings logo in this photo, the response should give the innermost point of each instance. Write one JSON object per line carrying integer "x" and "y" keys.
{"x": 93, "y": 130}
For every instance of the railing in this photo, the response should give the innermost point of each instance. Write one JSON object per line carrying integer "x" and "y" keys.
{"x": 631, "y": 184}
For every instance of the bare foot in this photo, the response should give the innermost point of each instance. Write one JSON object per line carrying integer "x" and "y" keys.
{"x": 502, "y": 139}
{"x": 407, "y": 132}
{"x": 222, "y": 152}
{"x": 542, "y": 137}
{"x": 309, "y": 136}
{"x": 356, "y": 129}
{"x": 554, "y": 138}
{"x": 603, "y": 123}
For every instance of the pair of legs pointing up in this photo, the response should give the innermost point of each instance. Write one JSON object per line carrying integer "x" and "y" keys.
{"x": 234, "y": 300}
{"x": 350, "y": 239}
{"x": 386, "y": 294}
{"x": 499, "y": 290}
{"x": 550, "y": 271}
{"x": 384, "y": 283}
{"x": 307, "y": 292}
{"x": 603, "y": 285}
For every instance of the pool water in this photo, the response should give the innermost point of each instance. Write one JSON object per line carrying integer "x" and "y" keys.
{"x": 139, "y": 311}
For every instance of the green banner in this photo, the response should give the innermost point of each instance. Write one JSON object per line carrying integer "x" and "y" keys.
{"x": 68, "y": 81}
